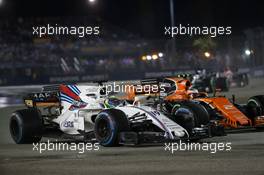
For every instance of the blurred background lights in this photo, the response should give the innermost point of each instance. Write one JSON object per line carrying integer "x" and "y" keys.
{"x": 149, "y": 57}
{"x": 154, "y": 57}
{"x": 247, "y": 52}
{"x": 207, "y": 54}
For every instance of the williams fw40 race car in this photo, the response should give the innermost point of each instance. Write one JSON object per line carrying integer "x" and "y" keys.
{"x": 185, "y": 103}
{"x": 85, "y": 112}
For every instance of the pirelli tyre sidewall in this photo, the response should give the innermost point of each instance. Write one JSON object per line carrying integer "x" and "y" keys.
{"x": 108, "y": 124}
{"x": 26, "y": 126}
{"x": 190, "y": 115}
{"x": 255, "y": 106}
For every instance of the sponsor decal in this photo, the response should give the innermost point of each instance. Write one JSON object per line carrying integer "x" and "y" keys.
{"x": 68, "y": 124}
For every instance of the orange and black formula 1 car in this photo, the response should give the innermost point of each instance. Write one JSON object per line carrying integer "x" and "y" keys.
{"x": 184, "y": 104}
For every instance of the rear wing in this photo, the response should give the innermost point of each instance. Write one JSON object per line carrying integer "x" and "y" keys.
{"x": 49, "y": 96}
{"x": 51, "y": 88}
{"x": 147, "y": 86}
{"x": 160, "y": 81}
{"x": 150, "y": 81}
{"x": 157, "y": 81}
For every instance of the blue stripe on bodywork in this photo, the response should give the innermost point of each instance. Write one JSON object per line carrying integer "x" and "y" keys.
{"x": 66, "y": 97}
{"x": 76, "y": 88}
{"x": 73, "y": 90}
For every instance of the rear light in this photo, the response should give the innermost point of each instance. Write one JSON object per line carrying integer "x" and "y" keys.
{"x": 29, "y": 103}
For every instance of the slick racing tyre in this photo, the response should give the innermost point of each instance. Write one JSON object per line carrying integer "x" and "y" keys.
{"x": 108, "y": 125}
{"x": 25, "y": 126}
{"x": 255, "y": 106}
{"x": 190, "y": 115}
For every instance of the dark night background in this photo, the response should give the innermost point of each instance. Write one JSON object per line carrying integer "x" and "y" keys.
{"x": 146, "y": 17}
{"x": 132, "y": 35}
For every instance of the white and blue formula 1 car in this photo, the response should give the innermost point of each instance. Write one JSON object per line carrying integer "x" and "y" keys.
{"x": 86, "y": 112}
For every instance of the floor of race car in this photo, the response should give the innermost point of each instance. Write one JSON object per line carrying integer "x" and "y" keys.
{"x": 246, "y": 156}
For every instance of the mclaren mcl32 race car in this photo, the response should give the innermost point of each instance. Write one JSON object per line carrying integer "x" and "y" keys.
{"x": 86, "y": 112}
{"x": 182, "y": 102}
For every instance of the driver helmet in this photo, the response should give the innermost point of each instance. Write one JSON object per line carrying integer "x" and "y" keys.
{"x": 112, "y": 102}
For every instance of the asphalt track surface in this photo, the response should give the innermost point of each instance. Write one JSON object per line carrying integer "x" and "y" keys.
{"x": 245, "y": 157}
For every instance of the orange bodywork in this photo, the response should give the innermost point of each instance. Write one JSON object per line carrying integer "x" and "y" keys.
{"x": 259, "y": 121}
{"x": 233, "y": 117}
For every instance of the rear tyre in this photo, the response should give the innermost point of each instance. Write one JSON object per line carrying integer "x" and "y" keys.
{"x": 108, "y": 125}
{"x": 26, "y": 126}
{"x": 190, "y": 115}
{"x": 255, "y": 106}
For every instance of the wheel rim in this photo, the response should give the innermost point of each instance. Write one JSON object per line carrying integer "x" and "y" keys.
{"x": 103, "y": 129}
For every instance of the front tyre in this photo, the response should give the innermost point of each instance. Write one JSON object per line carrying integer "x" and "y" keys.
{"x": 26, "y": 126}
{"x": 255, "y": 106}
{"x": 108, "y": 125}
{"x": 190, "y": 115}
